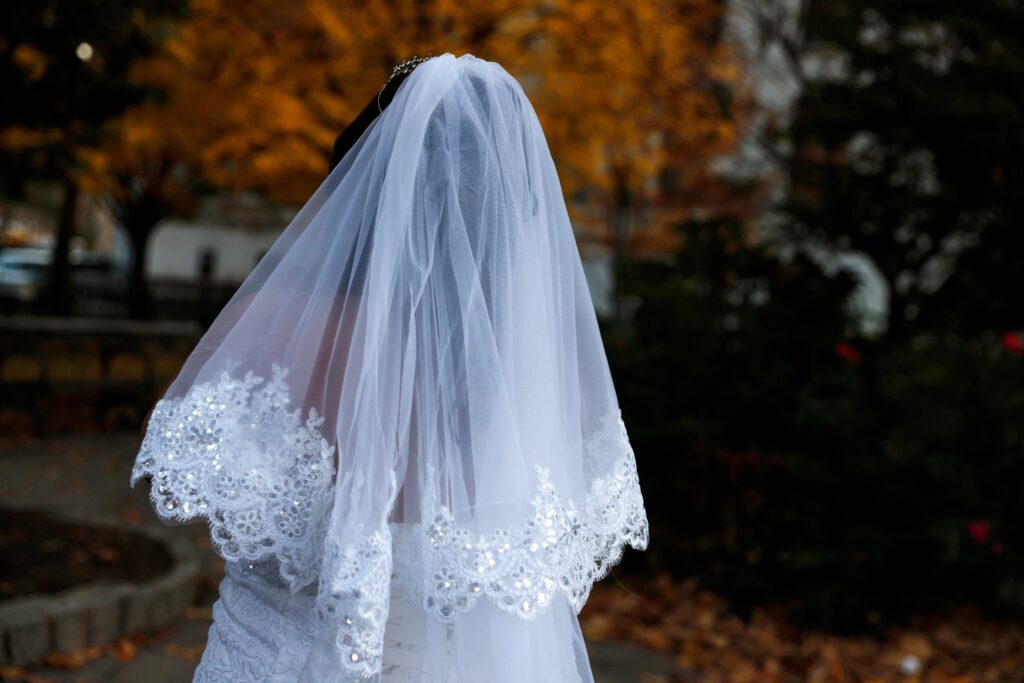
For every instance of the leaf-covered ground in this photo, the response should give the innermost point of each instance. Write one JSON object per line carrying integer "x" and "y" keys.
{"x": 712, "y": 645}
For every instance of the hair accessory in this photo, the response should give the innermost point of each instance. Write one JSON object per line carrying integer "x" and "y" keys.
{"x": 401, "y": 68}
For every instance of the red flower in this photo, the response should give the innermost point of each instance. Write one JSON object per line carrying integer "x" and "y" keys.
{"x": 848, "y": 353}
{"x": 979, "y": 530}
{"x": 1013, "y": 343}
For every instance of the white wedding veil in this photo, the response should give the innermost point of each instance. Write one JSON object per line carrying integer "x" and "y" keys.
{"x": 411, "y": 387}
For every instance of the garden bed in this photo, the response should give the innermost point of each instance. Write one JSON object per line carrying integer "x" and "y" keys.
{"x": 69, "y": 584}
{"x": 44, "y": 554}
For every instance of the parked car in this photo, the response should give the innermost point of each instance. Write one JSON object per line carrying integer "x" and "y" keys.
{"x": 23, "y": 275}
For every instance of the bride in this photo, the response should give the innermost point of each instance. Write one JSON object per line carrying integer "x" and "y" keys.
{"x": 402, "y": 429}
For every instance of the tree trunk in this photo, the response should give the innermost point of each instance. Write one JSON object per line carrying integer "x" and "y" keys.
{"x": 620, "y": 217}
{"x": 58, "y": 294}
{"x": 139, "y": 302}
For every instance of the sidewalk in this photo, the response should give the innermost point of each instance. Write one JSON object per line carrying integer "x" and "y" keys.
{"x": 88, "y": 476}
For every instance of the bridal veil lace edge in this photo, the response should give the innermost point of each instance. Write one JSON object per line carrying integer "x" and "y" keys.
{"x": 235, "y": 453}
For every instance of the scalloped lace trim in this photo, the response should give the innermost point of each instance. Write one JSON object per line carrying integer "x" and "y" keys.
{"x": 232, "y": 452}
{"x": 354, "y": 599}
{"x": 560, "y": 548}
{"x": 354, "y": 591}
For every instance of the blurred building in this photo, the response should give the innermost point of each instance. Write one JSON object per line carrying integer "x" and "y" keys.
{"x": 221, "y": 243}
{"x": 229, "y": 234}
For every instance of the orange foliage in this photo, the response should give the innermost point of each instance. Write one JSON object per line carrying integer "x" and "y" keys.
{"x": 627, "y": 97}
{"x": 258, "y": 90}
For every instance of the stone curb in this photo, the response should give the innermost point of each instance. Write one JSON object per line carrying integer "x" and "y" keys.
{"x": 33, "y": 627}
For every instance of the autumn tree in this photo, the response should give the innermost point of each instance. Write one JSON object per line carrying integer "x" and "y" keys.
{"x": 64, "y": 69}
{"x": 634, "y": 99}
{"x": 253, "y": 95}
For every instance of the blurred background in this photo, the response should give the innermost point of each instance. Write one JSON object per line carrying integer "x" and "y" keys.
{"x": 801, "y": 223}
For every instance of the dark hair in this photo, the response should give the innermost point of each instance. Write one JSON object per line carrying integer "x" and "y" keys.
{"x": 348, "y": 137}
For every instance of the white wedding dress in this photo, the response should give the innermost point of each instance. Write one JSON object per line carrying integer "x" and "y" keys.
{"x": 402, "y": 428}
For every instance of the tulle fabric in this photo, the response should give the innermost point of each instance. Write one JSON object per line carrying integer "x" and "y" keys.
{"x": 410, "y": 389}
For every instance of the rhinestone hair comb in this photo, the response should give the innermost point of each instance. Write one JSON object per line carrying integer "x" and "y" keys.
{"x": 401, "y": 68}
